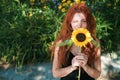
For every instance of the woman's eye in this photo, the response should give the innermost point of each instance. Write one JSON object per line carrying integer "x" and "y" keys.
{"x": 75, "y": 21}
{"x": 84, "y": 21}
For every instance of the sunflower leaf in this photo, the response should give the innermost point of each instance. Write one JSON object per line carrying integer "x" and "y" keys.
{"x": 66, "y": 42}
{"x": 96, "y": 44}
{"x": 70, "y": 44}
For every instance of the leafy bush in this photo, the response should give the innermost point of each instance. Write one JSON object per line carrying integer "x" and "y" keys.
{"x": 108, "y": 28}
{"x": 26, "y": 33}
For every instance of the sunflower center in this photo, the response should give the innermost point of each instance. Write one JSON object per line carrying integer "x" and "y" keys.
{"x": 80, "y": 37}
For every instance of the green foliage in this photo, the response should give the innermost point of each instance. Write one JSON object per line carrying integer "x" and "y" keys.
{"x": 107, "y": 16}
{"x": 25, "y": 33}
{"x": 103, "y": 28}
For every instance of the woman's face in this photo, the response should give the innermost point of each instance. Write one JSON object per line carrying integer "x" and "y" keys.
{"x": 78, "y": 21}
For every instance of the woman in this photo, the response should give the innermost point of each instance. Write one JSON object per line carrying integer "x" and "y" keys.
{"x": 66, "y": 61}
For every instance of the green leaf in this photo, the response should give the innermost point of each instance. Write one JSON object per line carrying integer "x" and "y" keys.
{"x": 66, "y": 42}
{"x": 70, "y": 44}
{"x": 96, "y": 44}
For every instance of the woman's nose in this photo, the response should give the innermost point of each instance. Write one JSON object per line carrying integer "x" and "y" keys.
{"x": 80, "y": 25}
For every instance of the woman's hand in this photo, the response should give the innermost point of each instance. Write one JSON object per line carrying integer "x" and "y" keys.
{"x": 75, "y": 63}
{"x": 83, "y": 59}
{"x": 80, "y": 60}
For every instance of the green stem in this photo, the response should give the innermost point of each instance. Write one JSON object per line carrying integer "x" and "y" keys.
{"x": 79, "y": 69}
{"x": 79, "y": 73}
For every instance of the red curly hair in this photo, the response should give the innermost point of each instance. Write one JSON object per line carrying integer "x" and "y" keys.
{"x": 66, "y": 31}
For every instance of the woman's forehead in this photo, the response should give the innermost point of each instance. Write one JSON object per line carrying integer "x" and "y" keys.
{"x": 79, "y": 15}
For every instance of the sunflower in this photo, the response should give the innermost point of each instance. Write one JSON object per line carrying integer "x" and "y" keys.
{"x": 81, "y": 37}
